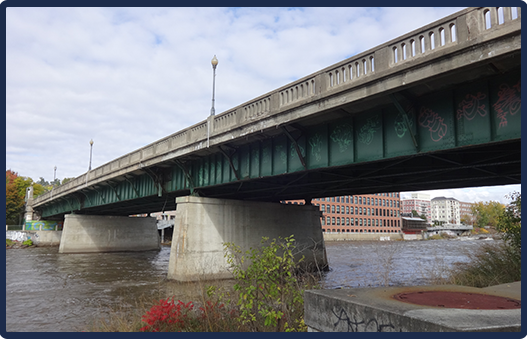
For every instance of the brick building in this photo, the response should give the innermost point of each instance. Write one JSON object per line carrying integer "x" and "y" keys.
{"x": 368, "y": 213}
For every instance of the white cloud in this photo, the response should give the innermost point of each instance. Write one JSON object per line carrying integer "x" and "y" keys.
{"x": 472, "y": 194}
{"x": 126, "y": 77}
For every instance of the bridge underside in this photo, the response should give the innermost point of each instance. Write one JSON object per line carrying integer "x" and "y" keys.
{"x": 429, "y": 136}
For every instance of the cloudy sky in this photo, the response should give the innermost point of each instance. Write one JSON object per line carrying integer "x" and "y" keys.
{"x": 126, "y": 77}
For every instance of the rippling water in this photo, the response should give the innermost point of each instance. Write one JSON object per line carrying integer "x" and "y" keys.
{"x": 51, "y": 292}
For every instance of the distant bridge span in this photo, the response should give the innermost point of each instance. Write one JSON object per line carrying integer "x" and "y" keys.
{"x": 439, "y": 107}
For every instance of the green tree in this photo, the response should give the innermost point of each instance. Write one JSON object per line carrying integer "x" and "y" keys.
{"x": 415, "y": 214}
{"x": 65, "y": 180}
{"x": 487, "y": 213}
{"x": 510, "y": 222}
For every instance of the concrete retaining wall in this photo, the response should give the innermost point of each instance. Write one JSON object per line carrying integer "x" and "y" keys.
{"x": 93, "y": 233}
{"x": 376, "y": 310}
{"x": 39, "y": 238}
{"x": 203, "y": 225}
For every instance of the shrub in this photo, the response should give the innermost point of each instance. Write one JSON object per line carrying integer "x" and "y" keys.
{"x": 28, "y": 242}
{"x": 270, "y": 297}
{"x": 167, "y": 316}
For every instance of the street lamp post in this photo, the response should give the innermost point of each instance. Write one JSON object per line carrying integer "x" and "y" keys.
{"x": 214, "y": 63}
{"x": 91, "y": 147}
{"x": 54, "y": 175}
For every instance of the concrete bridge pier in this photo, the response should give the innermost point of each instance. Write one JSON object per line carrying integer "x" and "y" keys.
{"x": 203, "y": 225}
{"x": 97, "y": 233}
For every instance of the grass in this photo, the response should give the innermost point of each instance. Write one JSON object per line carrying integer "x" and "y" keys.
{"x": 494, "y": 264}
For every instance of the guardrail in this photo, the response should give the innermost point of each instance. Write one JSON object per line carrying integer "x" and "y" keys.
{"x": 455, "y": 29}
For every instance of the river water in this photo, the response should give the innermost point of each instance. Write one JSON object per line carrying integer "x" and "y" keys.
{"x": 51, "y": 292}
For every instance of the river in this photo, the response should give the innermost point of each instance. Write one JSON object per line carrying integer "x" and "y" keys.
{"x": 51, "y": 292}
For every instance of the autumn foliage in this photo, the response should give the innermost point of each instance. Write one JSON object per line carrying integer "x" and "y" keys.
{"x": 15, "y": 193}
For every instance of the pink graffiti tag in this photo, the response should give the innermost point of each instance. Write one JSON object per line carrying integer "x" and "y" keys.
{"x": 434, "y": 123}
{"x": 472, "y": 106}
{"x": 508, "y": 102}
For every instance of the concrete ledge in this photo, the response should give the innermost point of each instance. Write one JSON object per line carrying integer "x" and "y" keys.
{"x": 362, "y": 236}
{"x": 375, "y": 310}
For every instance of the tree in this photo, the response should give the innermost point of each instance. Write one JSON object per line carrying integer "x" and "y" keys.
{"x": 467, "y": 219}
{"x": 487, "y": 213}
{"x": 65, "y": 180}
{"x": 13, "y": 203}
{"x": 16, "y": 187}
{"x": 510, "y": 221}
{"x": 416, "y": 215}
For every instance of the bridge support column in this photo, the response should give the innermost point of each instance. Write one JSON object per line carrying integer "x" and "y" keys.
{"x": 96, "y": 233}
{"x": 203, "y": 225}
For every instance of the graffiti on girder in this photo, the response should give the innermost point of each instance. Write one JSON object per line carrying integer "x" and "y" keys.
{"x": 472, "y": 106}
{"x": 343, "y": 136}
{"x": 367, "y": 131}
{"x": 435, "y": 123}
{"x": 509, "y": 102}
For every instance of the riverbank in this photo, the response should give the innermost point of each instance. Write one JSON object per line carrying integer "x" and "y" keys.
{"x": 38, "y": 238}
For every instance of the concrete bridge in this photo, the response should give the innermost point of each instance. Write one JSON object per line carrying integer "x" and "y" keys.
{"x": 439, "y": 107}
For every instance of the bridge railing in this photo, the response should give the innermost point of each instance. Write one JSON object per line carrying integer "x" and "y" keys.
{"x": 393, "y": 56}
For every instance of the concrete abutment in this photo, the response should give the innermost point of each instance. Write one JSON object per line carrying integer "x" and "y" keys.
{"x": 96, "y": 233}
{"x": 203, "y": 225}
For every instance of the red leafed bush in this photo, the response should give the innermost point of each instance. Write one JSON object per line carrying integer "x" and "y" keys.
{"x": 167, "y": 316}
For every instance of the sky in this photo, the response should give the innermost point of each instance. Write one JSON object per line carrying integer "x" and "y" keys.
{"x": 126, "y": 77}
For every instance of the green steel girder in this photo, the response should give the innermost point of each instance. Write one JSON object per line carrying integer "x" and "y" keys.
{"x": 367, "y": 150}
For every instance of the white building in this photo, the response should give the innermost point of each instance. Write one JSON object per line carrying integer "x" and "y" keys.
{"x": 446, "y": 210}
{"x": 418, "y": 202}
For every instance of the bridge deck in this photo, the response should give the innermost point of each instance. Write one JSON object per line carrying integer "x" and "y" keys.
{"x": 448, "y": 115}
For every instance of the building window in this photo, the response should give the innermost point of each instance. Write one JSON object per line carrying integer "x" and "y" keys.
{"x": 347, "y": 210}
{"x": 338, "y": 221}
{"x": 332, "y": 208}
{"x": 360, "y": 210}
{"x": 347, "y": 221}
{"x": 338, "y": 209}
{"x": 333, "y": 221}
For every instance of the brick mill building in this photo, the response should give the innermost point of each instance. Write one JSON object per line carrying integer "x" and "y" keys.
{"x": 368, "y": 213}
